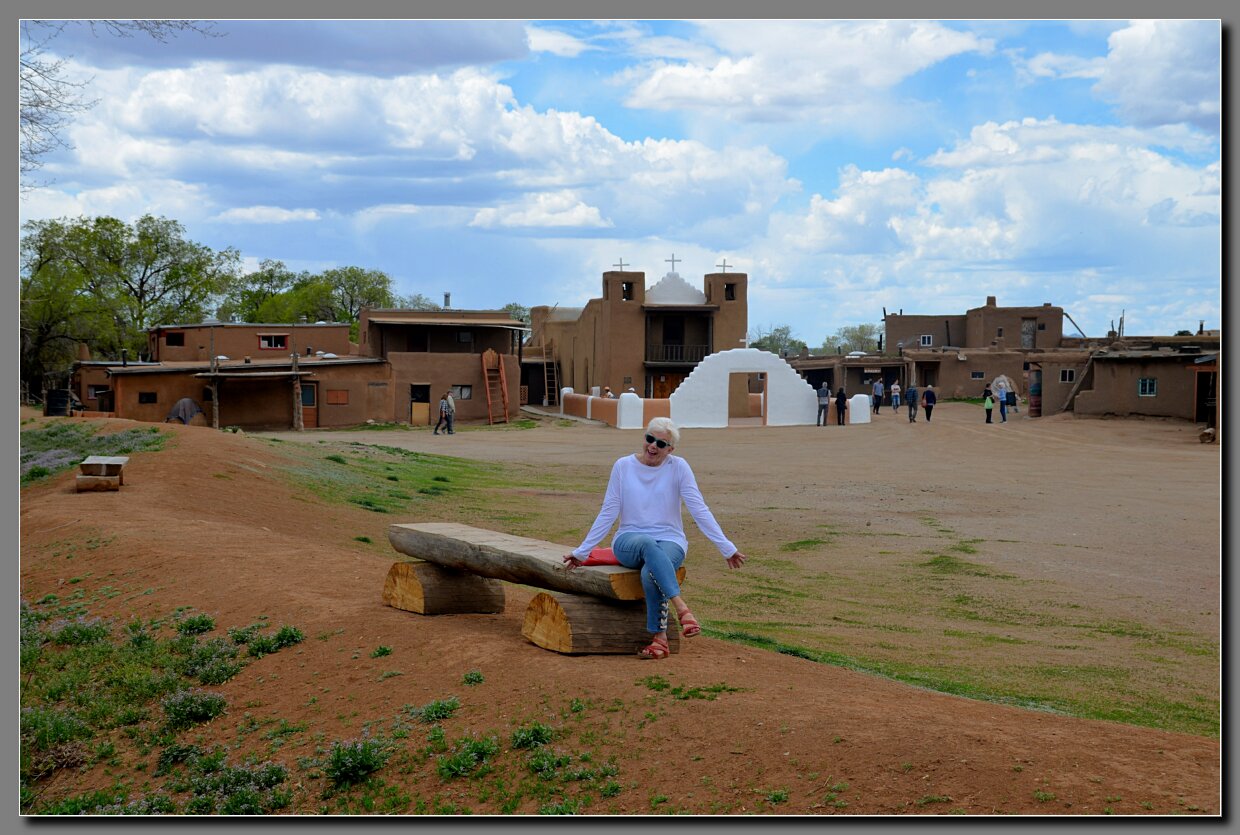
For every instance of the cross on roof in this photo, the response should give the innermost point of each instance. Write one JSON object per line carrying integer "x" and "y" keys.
{"x": 621, "y": 265}
{"x": 673, "y": 259}
{"x": 724, "y": 266}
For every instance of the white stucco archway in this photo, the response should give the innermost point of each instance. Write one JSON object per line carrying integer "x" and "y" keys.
{"x": 701, "y": 400}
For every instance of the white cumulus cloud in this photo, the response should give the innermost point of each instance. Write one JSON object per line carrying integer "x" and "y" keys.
{"x": 265, "y": 214}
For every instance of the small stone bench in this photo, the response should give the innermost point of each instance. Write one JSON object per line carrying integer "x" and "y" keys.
{"x": 102, "y": 472}
{"x": 459, "y": 568}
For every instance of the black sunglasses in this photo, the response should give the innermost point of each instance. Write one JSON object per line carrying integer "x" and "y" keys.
{"x": 659, "y": 442}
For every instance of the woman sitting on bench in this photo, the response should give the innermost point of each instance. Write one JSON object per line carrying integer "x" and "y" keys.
{"x": 645, "y": 491}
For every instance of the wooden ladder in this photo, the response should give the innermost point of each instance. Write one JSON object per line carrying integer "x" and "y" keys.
{"x": 551, "y": 377}
{"x": 497, "y": 386}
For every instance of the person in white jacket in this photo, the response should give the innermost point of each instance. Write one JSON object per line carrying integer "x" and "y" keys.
{"x": 645, "y": 492}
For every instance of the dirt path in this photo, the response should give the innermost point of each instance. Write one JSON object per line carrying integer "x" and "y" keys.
{"x": 210, "y": 523}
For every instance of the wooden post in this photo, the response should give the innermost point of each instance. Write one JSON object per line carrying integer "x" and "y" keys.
{"x": 575, "y": 624}
{"x": 298, "y": 423}
{"x": 429, "y": 589}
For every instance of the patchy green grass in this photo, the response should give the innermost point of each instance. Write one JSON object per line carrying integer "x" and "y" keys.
{"x": 57, "y": 445}
{"x": 93, "y": 689}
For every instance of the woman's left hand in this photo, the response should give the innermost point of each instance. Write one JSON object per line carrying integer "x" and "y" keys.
{"x": 571, "y": 562}
{"x": 736, "y": 560}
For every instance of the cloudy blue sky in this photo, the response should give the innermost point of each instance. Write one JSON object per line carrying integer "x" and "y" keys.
{"x": 846, "y": 166}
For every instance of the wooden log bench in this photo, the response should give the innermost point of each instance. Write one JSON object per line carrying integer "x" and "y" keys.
{"x": 102, "y": 472}
{"x": 597, "y": 609}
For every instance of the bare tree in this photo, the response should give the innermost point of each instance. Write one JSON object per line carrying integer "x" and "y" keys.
{"x": 48, "y": 99}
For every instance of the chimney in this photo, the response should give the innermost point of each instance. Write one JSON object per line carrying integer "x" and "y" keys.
{"x": 447, "y": 300}
{"x": 990, "y": 301}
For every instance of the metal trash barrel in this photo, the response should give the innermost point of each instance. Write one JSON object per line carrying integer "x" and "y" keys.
{"x": 59, "y": 403}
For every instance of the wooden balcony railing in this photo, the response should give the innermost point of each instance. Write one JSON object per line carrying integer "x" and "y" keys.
{"x": 676, "y": 353}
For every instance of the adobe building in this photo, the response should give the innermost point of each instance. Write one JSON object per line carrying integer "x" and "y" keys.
{"x": 306, "y": 376}
{"x": 434, "y": 351}
{"x": 1172, "y": 377}
{"x": 633, "y": 337}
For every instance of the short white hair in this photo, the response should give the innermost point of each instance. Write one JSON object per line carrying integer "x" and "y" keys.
{"x": 665, "y": 425}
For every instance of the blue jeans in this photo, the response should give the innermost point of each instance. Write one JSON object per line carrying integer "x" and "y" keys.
{"x": 658, "y": 561}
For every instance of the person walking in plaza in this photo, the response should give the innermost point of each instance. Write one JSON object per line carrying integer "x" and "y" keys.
{"x": 841, "y": 406}
{"x": 824, "y": 404}
{"x": 895, "y": 396}
{"x": 1001, "y": 393}
{"x": 878, "y": 394}
{"x": 451, "y": 412}
{"x": 988, "y": 403}
{"x": 928, "y": 399}
{"x": 911, "y": 394}
{"x": 443, "y": 413}
{"x": 645, "y": 492}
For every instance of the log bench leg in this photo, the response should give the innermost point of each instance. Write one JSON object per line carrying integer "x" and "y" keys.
{"x": 577, "y": 624}
{"x": 98, "y": 482}
{"x": 429, "y": 589}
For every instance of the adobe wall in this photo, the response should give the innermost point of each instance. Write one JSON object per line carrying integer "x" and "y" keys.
{"x": 991, "y": 322}
{"x": 365, "y": 390}
{"x": 236, "y": 341}
{"x": 731, "y": 323}
{"x": 1115, "y": 389}
{"x": 441, "y": 372}
{"x": 167, "y": 388}
{"x": 909, "y": 329}
{"x": 956, "y": 377}
{"x": 702, "y": 400}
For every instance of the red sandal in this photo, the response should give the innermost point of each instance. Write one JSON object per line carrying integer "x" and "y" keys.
{"x": 656, "y": 650}
{"x": 689, "y": 626}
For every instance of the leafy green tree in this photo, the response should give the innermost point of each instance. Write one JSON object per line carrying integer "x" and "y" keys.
{"x": 777, "y": 340}
{"x": 309, "y": 299}
{"x": 56, "y": 310}
{"x": 852, "y": 338}
{"x": 252, "y": 290}
{"x": 416, "y": 302}
{"x": 103, "y": 282}
{"x": 518, "y": 311}
{"x": 354, "y": 288}
{"x": 147, "y": 274}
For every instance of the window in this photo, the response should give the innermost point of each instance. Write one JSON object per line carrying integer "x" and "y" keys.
{"x": 174, "y": 339}
{"x": 337, "y": 397}
{"x": 977, "y": 375}
{"x": 462, "y": 392}
{"x": 206, "y": 394}
{"x": 1041, "y": 326}
{"x": 93, "y": 392}
{"x": 147, "y": 397}
{"x": 464, "y": 336}
{"x": 1025, "y": 367}
{"x": 1147, "y": 387}
{"x": 1067, "y": 375}
{"x": 272, "y": 341}
{"x": 626, "y": 291}
{"x": 729, "y": 292}
{"x": 999, "y": 332}
{"x": 927, "y": 340}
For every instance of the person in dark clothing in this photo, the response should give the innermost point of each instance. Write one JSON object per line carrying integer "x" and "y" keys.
{"x": 841, "y": 405}
{"x": 911, "y": 394}
{"x": 928, "y": 399}
{"x": 988, "y": 401}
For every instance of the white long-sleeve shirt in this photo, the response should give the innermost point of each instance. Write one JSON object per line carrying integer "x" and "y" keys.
{"x": 647, "y": 500}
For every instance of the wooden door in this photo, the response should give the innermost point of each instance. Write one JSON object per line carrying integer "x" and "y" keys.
{"x": 420, "y": 405}
{"x": 310, "y": 405}
{"x": 665, "y": 384}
